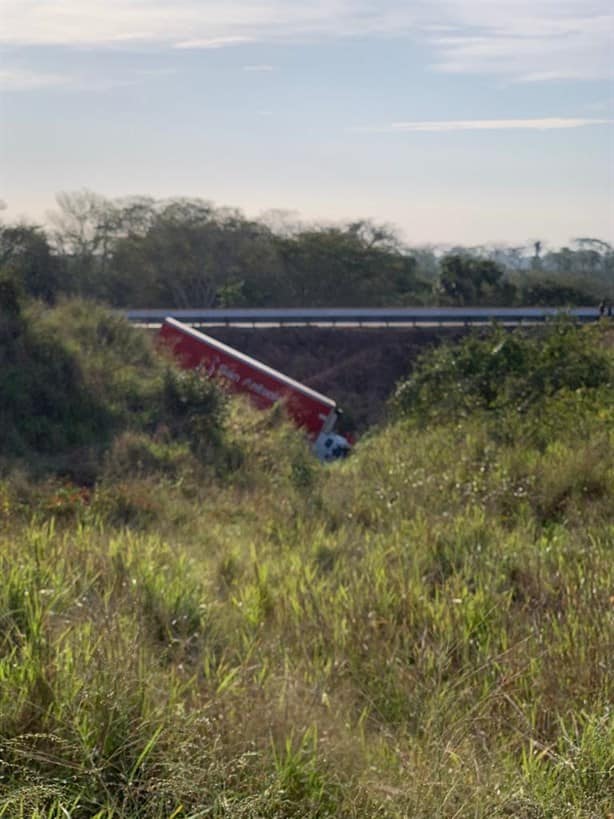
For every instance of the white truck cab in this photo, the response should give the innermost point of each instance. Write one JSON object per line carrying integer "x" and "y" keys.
{"x": 330, "y": 446}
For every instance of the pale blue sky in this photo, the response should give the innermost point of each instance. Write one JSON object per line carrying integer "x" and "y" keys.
{"x": 461, "y": 121}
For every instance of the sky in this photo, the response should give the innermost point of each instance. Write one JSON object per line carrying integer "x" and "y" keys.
{"x": 454, "y": 121}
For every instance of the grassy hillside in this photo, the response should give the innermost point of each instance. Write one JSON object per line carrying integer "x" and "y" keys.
{"x": 237, "y": 631}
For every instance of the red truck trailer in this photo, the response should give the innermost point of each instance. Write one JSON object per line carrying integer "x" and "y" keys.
{"x": 240, "y": 374}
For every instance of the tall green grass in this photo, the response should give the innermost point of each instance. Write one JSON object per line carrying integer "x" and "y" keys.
{"x": 424, "y": 630}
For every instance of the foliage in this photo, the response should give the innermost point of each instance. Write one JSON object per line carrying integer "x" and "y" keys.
{"x": 557, "y": 293}
{"x": 500, "y": 371}
{"x": 141, "y": 252}
{"x": 27, "y": 258}
{"x": 465, "y": 279}
{"x": 193, "y": 408}
{"x": 356, "y": 263}
{"x": 10, "y": 300}
{"x": 421, "y": 630}
{"x": 45, "y": 405}
{"x": 75, "y": 377}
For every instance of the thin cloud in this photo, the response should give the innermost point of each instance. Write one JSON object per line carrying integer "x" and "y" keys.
{"x": 259, "y": 68}
{"x": 21, "y": 80}
{"x": 18, "y": 79}
{"x": 213, "y": 42}
{"x": 435, "y": 126}
{"x": 527, "y": 40}
{"x": 155, "y": 72}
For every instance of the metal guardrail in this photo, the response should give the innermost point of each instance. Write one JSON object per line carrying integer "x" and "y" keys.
{"x": 360, "y": 317}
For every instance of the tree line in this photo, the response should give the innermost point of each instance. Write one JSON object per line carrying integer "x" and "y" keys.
{"x": 142, "y": 252}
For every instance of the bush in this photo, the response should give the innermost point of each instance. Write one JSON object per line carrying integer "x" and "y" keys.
{"x": 10, "y": 298}
{"x": 45, "y": 405}
{"x": 193, "y": 409}
{"x": 504, "y": 370}
{"x": 75, "y": 378}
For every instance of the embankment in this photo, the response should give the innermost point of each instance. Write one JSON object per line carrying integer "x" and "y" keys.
{"x": 357, "y": 367}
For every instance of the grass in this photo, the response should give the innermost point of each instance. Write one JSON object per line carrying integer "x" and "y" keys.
{"x": 424, "y": 630}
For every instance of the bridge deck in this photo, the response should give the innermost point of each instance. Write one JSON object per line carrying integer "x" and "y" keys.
{"x": 359, "y": 317}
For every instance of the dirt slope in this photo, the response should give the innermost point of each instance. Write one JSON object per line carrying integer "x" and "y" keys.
{"x": 357, "y": 367}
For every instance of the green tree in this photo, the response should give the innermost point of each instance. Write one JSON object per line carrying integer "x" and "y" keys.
{"x": 467, "y": 280}
{"x": 27, "y": 257}
{"x": 85, "y": 227}
{"x": 187, "y": 256}
{"x": 548, "y": 292}
{"x": 360, "y": 264}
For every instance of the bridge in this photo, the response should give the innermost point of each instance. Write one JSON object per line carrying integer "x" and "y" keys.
{"x": 359, "y": 317}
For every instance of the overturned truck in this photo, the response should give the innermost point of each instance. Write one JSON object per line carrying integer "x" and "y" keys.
{"x": 312, "y": 412}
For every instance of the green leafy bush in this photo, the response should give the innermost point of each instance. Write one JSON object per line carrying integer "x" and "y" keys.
{"x": 45, "y": 403}
{"x": 504, "y": 370}
{"x": 10, "y": 298}
{"x": 193, "y": 408}
{"x": 76, "y": 377}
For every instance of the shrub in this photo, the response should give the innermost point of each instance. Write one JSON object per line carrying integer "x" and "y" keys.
{"x": 135, "y": 454}
{"x": 503, "y": 370}
{"x": 45, "y": 405}
{"x": 193, "y": 407}
{"x": 75, "y": 377}
{"x": 10, "y": 298}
